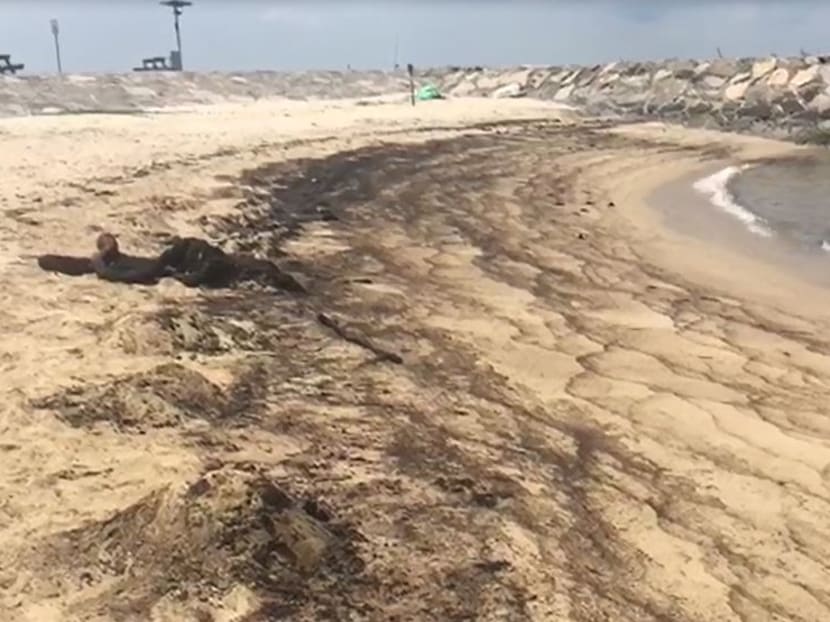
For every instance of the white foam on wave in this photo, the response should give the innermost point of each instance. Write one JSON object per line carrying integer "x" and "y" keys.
{"x": 825, "y": 246}
{"x": 716, "y": 188}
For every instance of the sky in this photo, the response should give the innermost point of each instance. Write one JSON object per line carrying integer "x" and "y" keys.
{"x": 242, "y": 35}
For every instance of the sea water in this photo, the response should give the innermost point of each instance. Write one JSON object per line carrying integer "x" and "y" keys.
{"x": 786, "y": 199}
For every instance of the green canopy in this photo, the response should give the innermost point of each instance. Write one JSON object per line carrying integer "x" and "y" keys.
{"x": 429, "y": 92}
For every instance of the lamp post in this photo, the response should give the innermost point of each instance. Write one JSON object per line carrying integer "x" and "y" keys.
{"x": 55, "y": 33}
{"x": 177, "y": 6}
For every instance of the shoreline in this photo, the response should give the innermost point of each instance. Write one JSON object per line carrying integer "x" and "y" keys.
{"x": 719, "y": 187}
{"x": 585, "y": 395}
{"x": 716, "y": 189}
{"x": 696, "y": 240}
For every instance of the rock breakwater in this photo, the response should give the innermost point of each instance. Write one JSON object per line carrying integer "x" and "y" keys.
{"x": 136, "y": 92}
{"x": 783, "y": 97}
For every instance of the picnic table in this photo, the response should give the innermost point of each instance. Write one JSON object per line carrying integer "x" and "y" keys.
{"x": 6, "y": 65}
{"x": 155, "y": 63}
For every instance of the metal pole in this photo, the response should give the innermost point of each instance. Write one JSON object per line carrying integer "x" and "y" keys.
{"x": 411, "y": 71}
{"x": 55, "y": 32}
{"x": 177, "y": 6}
{"x": 176, "y": 12}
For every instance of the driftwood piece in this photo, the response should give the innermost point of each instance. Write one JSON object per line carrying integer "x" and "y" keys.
{"x": 66, "y": 264}
{"x": 352, "y": 336}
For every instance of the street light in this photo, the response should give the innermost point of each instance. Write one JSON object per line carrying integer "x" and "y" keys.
{"x": 177, "y": 6}
{"x": 55, "y": 32}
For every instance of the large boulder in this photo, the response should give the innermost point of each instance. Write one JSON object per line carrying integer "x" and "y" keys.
{"x": 571, "y": 77}
{"x": 729, "y": 110}
{"x": 763, "y": 68}
{"x": 538, "y": 77}
{"x": 789, "y": 103}
{"x": 673, "y": 107}
{"x": 559, "y": 76}
{"x": 632, "y": 100}
{"x": 514, "y": 89}
{"x": 609, "y": 67}
{"x": 723, "y": 68}
{"x": 758, "y": 92}
{"x": 806, "y": 76}
{"x": 634, "y": 82}
{"x": 564, "y": 93}
{"x": 682, "y": 69}
{"x": 737, "y": 91}
{"x": 464, "y": 88}
{"x": 669, "y": 90}
{"x": 713, "y": 83}
{"x": 662, "y": 74}
{"x": 820, "y": 104}
{"x": 756, "y": 109}
{"x": 698, "y": 107}
{"x": 637, "y": 69}
{"x": 779, "y": 78}
{"x": 808, "y": 83}
{"x": 743, "y": 76}
{"x": 702, "y": 68}
{"x": 547, "y": 90}
{"x": 451, "y": 80}
{"x": 607, "y": 80}
{"x": 490, "y": 79}
{"x": 587, "y": 77}
{"x": 521, "y": 76}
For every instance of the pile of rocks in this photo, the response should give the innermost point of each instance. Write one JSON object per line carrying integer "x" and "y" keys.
{"x": 778, "y": 96}
{"x": 134, "y": 92}
{"x": 774, "y": 95}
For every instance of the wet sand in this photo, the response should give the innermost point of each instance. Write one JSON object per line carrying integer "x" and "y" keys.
{"x": 687, "y": 212}
{"x": 591, "y": 421}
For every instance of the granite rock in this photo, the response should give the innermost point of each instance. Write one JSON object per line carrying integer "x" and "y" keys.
{"x": 721, "y": 67}
{"x": 564, "y": 93}
{"x": 806, "y": 76}
{"x": 713, "y": 82}
{"x": 763, "y": 67}
{"x": 737, "y": 91}
{"x": 779, "y": 78}
{"x": 820, "y": 104}
{"x": 514, "y": 89}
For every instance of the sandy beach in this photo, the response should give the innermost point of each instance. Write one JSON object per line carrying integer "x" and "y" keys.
{"x": 598, "y": 417}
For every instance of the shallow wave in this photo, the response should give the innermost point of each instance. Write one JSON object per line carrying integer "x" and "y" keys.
{"x": 716, "y": 188}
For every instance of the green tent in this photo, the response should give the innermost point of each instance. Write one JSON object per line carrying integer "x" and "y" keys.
{"x": 429, "y": 92}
